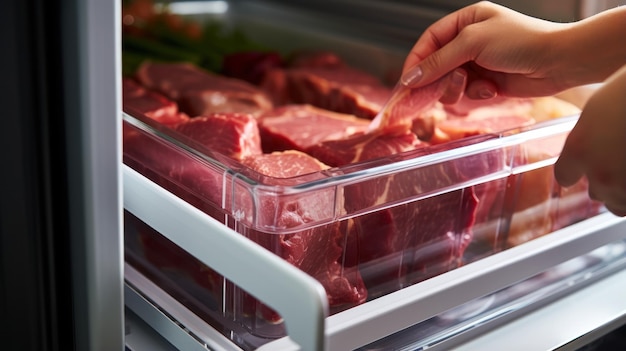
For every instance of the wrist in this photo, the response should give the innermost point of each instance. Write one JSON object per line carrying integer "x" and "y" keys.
{"x": 591, "y": 50}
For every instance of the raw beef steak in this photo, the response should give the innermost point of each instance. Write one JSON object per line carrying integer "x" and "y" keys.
{"x": 199, "y": 92}
{"x": 407, "y": 105}
{"x": 317, "y": 251}
{"x": 414, "y": 239}
{"x": 235, "y": 135}
{"x": 471, "y": 117}
{"x": 363, "y": 146}
{"x": 413, "y": 234}
{"x": 250, "y": 66}
{"x": 326, "y": 82}
{"x": 298, "y": 127}
{"x": 138, "y": 101}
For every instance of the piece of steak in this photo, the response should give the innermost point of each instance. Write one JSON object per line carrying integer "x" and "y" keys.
{"x": 317, "y": 251}
{"x": 471, "y": 117}
{"x": 235, "y": 135}
{"x": 310, "y": 59}
{"x": 406, "y": 106}
{"x": 418, "y": 232}
{"x": 325, "y": 81}
{"x": 539, "y": 108}
{"x": 530, "y": 203}
{"x": 199, "y": 92}
{"x": 297, "y": 127}
{"x": 363, "y": 146}
{"x": 139, "y": 101}
{"x": 459, "y": 128}
{"x": 251, "y": 66}
{"x": 223, "y": 137}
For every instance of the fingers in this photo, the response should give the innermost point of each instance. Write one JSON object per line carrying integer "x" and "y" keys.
{"x": 606, "y": 184}
{"x": 567, "y": 172}
{"x": 436, "y": 65}
{"x": 455, "y": 87}
{"x": 613, "y": 199}
{"x": 481, "y": 89}
{"x": 567, "y": 169}
{"x": 434, "y": 38}
{"x": 439, "y": 50}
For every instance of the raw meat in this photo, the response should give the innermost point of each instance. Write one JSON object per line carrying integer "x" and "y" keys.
{"x": 363, "y": 146}
{"x": 172, "y": 261}
{"x": 407, "y": 105}
{"x": 199, "y": 92}
{"x": 224, "y": 137}
{"x": 533, "y": 204}
{"x": 250, "y": 66}
{"x": 286, "y": 164}
{"x": 297, "y": 127}
{"x": 459, "y": 128}
{"x": 310, "y": 59}
{"x": 405, "y": 227}
{"x": 541, "y": 206}
{"x": 416, "y": 239}
{"x": 324, "y": 81}
{"x": 540, "y": 108}
{"x": 317, "y": 251}
{"x": 471, "y": 117}
{"x": 139, "y": 101}
{"x": 235, "y": 135}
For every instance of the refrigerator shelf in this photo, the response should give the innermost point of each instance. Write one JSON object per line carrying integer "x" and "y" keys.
{"x": 301, "y": 300}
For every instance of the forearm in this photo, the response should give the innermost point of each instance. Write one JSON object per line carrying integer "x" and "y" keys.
{"x": 590, "y": 50}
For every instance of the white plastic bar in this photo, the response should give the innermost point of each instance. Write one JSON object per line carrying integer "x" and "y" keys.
{"x": 376, "y": 319}
{"x": 300, "y": 299}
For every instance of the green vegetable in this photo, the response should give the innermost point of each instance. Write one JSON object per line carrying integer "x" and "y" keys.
{"x": 130, "y": 62}
{"x": 157, "y": 50}
{"x": 162, "y": 44}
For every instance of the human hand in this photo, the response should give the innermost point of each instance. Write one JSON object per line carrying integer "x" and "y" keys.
{"x": 596, "y": 146}
{"x": 501, "y": 52}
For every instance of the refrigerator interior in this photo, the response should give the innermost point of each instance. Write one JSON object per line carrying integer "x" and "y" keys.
{"x": 203, "y": 289}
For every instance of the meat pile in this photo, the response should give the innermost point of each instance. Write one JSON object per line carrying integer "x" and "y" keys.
{"x": 309, "y": 116}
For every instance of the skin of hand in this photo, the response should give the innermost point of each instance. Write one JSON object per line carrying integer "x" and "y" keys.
{"x": 504, "y": 52}
{"x": 595, "y": 147}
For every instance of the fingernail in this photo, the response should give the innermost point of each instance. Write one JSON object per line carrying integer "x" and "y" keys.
{"x": 486, "y": 93}
{"x": 412, "y": 76}
{"x": 458, "y": 78}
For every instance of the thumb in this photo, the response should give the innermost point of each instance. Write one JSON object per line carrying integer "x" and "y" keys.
{"x": 567, "y": 169}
